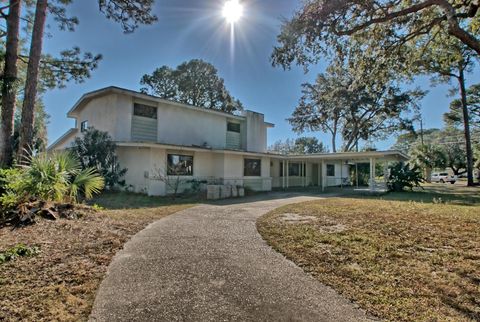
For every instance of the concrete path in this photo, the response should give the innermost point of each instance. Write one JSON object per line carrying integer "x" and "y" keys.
{"x": 208, "y": 263}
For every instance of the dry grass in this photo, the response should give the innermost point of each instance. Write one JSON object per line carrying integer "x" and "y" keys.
{"x": 401, "y": 261}
{"x": 60, "y": 283}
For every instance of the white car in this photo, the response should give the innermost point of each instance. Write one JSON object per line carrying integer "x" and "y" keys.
{"x": 443, "y": 177}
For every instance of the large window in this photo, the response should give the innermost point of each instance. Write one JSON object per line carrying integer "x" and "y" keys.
{"x": 233, "y": 127}
{"x": 145, "y": 111}
{"x": 330, "y": 170}
{"x": 180, "y": 165}
{"x": 252, "y": 168}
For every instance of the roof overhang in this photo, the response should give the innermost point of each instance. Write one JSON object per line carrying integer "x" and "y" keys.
{"x": 62, "y": 139}
{"x": 391, "y": 155}
{"x": 86, "y": 98}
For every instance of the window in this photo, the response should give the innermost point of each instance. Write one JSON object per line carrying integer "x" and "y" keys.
{"x": 233, "y": 127}
{"x": 294, "y": 169}
{"x": 252, "y": 168}
{"x": 330, "y": 170}
{"x": 83, "y": 126}
{"x": 180, "y": 165}
{"x": 145, "y": 111}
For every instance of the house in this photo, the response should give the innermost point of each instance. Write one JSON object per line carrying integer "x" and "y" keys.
{"x": 156, "y": 136}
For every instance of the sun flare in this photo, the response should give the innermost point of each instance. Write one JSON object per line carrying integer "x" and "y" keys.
{"x": 232, "y": 11}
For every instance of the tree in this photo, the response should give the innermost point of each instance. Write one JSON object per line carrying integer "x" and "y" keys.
{"x": 97, "y": 150}
{"x": 309, "y": 145}
{"x": 195, "y": 82}
{"x": 454, "y": 117}
{"x": 30, "y": 93}
{"x": 352, "y": 102}
{"x": 302, "y": 145}
{"x": 129, "y": 13}
{"x": 428, "y": 157}
{"x": 9, "y": 81}
{"x": 449, "y": 59}
{"x": 320, "y": 25}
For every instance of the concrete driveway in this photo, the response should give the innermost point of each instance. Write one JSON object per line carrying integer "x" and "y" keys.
{"x": 208, "y": 263}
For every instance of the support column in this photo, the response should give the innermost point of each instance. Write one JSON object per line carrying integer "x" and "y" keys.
{"x": 385, "y": 172}
{"x": 287, "y": 174}
{"x": 372, "y": 174}
{"x": 324, "y": 176}
{"x": 319, "y": 169}
{"x": 341, "y": 174}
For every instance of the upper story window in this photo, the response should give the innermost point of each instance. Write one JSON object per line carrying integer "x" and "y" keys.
{"x": 145, "y": 111}
{"x": 330, "y": 170}
{"x": 252, "y": 168}
{"x": 180, "y": 165}
{"x": 83, "y": 126}
{"x": 233, "y": 127}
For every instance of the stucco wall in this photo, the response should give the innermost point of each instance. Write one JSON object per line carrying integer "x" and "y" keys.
{"x": 182, "y": 126}
{"x": 256, "y": 132}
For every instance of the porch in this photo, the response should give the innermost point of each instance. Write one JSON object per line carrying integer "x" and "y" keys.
{"x": 362, "y": 171}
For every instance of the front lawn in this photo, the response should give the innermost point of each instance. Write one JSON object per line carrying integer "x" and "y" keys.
{"x": 59, "y": 284}
{"x": 399, "y": 260}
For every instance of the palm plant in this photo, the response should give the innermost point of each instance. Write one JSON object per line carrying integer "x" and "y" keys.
{"x": 59, "y": 177}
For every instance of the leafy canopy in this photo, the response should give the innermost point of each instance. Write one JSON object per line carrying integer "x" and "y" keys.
{"x": 195, "y": 82}
{"x": 355, "y": 105}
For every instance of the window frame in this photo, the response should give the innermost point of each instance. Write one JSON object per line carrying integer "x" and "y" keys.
{"x": 84, "y": 126}
{"x": 145, "y": 107}
{"x": 246, "y": 161}
{"x": 170, "y": 169}
{"x": 327, "y": 170}
{"x": 229, "y": 129}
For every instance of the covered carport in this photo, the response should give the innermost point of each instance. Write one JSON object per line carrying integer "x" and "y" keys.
{"x": 333, "y": 169}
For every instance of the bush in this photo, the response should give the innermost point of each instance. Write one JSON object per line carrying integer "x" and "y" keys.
{"x": 96, "y": 150}
{"x": 402, "y": 176}
{"x": 57, "y": 178}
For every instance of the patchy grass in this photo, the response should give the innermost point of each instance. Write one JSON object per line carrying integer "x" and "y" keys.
{"x": 59, "y": 284}
{"x": 401, "y": 261}
{"x": 458, "y": 194}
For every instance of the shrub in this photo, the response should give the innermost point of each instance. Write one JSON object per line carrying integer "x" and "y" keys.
{"x": 402, "y": 176}
{"x": 57, "y": 177}
{"x": 96, "y": 150}
{"x": 19, "y": 250}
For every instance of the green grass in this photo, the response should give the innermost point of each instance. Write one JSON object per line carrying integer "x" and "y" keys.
{"x": 401, "y": 256}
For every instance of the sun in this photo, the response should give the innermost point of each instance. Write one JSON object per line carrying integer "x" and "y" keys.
{"x": 232, "y": 11}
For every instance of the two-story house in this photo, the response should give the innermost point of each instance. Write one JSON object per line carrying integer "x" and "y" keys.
{"x": 157, "y": 137}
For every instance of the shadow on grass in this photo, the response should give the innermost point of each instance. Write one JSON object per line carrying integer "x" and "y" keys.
{"x": 452, "y": 194}
{"x": 114, "y": 200}
{"x": 458, "y": 194}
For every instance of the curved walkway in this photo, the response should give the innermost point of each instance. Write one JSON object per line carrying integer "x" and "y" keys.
{"x": 208, "y": 263}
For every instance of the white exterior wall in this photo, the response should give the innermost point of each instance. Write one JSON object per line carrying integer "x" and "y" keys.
{"x": 256, "y": 132}
{"x": 144, "y": 165}
{"x": 181, "y": 126}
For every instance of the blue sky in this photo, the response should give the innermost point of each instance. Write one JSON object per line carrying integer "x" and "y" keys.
{"x": 190, "y": 29}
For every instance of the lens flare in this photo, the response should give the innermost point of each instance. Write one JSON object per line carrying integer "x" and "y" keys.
{"x": 232, "y": 11}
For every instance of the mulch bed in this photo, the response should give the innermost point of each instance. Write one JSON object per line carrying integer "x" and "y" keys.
{"x": 61, "y": 281}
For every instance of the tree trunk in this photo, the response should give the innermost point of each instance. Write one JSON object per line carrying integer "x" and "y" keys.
{"x": 466, "y": 126}
{"x": 10, "y": 74}
{"x": 28, "y": 110}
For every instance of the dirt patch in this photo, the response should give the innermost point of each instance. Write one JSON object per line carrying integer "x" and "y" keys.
{"x": 292, "y": 218}
{"x": 59, "y": 284}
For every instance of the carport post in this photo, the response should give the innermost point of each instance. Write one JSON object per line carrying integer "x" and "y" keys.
{"x": 372, "y": 174}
